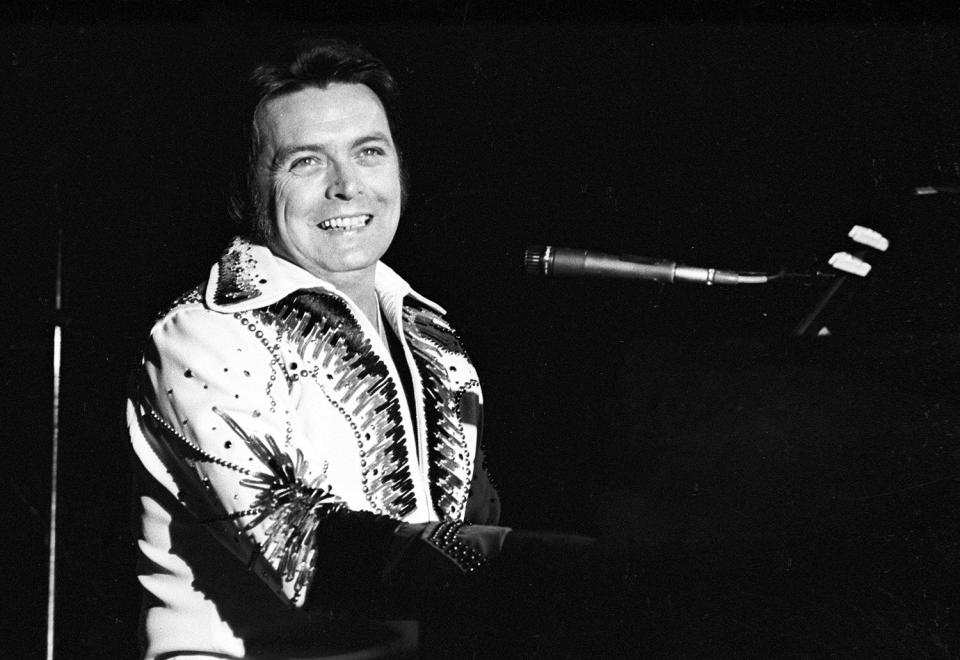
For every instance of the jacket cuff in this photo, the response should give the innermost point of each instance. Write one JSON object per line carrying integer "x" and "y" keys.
{"x": 445, "y": 538}
{"x": 469, "y": 547}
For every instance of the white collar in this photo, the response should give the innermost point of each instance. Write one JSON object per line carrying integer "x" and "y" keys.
{"x": 249, "y": 276}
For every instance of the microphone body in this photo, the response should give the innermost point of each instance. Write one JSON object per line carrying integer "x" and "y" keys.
{"x": 575, "y": 262}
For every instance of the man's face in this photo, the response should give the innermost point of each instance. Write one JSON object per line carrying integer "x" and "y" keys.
{"x": 329, "y": 169}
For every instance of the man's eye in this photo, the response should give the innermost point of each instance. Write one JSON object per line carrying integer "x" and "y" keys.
{"x": 304, "y": 162}
{"x": 371, "y": 153}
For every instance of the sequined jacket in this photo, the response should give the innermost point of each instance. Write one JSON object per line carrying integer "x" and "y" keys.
{"x": 265, "y": 402}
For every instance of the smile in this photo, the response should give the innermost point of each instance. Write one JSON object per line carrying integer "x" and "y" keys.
{"x": 345, "y": 223}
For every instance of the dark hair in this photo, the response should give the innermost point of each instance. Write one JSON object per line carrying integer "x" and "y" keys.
{"x": 313, "y": 63}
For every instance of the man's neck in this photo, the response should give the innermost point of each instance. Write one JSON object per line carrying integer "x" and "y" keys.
{"x": 369, "y": 304}
{"x": 360, "y": 288}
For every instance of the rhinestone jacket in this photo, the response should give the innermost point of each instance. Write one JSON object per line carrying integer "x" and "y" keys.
{"x": 265, "y": 401}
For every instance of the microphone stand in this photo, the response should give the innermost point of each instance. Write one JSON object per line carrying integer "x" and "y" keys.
{"x": 54, "y": 450}
{"x": 804, "y": 325}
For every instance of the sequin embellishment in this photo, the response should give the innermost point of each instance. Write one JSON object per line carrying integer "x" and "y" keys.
{"x": 236, "y": 275}
{"x": 290, "y": 506}
{"x": 450, "y": 460}
{"x": 355, "y": 381}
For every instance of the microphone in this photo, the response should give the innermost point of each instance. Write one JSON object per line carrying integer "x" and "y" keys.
{"x": 575, "y": 262}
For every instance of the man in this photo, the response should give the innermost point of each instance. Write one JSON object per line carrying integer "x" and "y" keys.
{"x": 304, "y": 422}
{"x": 307, "y": 427}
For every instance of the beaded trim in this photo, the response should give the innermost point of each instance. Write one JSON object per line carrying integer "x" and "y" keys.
{"x": 278, "y": 369}
{"x": 450, "y": 464}
{"x": 444, "y": 538}
{"x": 237, "y": 277}
{"x": 357, "y": 383}
{"x": 195, "y": 453}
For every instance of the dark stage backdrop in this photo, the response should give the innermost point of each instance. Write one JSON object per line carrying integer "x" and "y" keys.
{"x": 796, "y": 497}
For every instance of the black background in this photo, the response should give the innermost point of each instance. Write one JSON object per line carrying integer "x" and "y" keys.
{"x": 806, "y": 489}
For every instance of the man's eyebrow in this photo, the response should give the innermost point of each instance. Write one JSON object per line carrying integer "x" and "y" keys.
{"x": 376, "y": 136}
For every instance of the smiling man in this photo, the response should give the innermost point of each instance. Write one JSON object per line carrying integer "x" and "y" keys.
{"x": 306, "y": 426}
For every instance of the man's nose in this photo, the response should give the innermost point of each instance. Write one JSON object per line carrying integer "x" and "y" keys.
{"x": 345, "y": 183}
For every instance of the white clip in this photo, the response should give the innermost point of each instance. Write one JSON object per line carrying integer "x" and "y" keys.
{"x": 869, "y": 237}
{"x": 850, "y": 264}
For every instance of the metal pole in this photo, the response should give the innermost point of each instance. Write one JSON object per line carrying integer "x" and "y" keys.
{"x": 55, "y": 442}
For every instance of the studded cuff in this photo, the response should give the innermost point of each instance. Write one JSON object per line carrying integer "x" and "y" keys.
{"x": 445, "y": 538}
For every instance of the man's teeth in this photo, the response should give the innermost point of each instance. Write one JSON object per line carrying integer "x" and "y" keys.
{"x": 350, "y": 222}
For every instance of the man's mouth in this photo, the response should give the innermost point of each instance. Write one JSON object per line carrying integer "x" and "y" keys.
{"x": 346, "y": 222}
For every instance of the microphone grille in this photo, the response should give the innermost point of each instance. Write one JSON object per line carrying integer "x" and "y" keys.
{"x": 533, "y": 260}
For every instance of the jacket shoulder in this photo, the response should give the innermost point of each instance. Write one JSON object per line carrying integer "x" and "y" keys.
{"x": 189, "y": 298}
